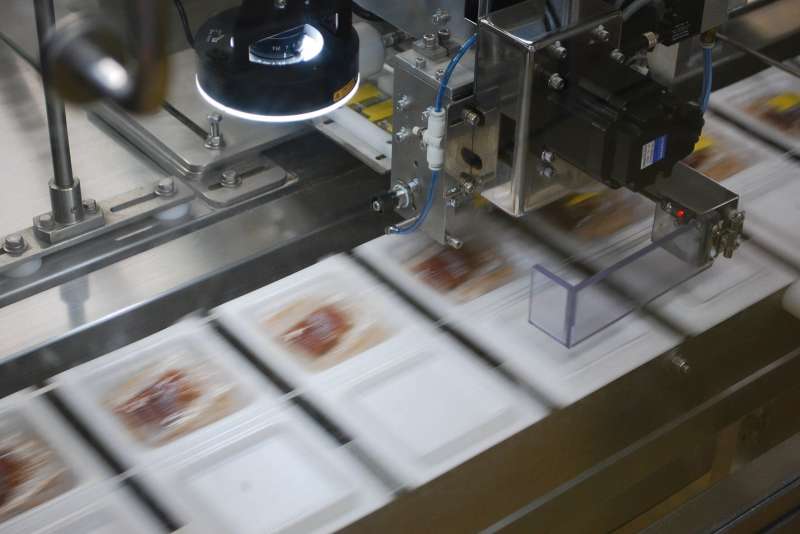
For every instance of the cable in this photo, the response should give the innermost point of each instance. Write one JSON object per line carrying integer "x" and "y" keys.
{"x": 633, "y": 8}
{"x": 187, "y": 29}
{"x": 437, "y": 107}
{"x": 708, "y": 77}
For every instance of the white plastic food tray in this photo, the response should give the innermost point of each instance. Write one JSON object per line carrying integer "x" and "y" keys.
{"x": 90, "y": 479}
{"x": 104, "y": 508}
{"x": 418, "y": 402}
{"x": 252, "y": 471}
{"x": 728, "y": 287}
{"x": 85, "y": 387}
{"x": 277, "y": 472}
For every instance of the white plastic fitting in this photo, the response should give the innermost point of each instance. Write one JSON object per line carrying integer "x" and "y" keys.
{"x": 434, "y": 139}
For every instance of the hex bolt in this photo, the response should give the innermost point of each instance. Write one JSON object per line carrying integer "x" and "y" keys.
{"x": 443, "y": 35}
{"x": 440, "y": 17}
{"x": 429, "y": 40}
{"x": 548, "y": 156}
{"x": 90, "y": 206}
{"x": 215, "y": 139}
{"x": 403, "y": 103}
{"x": 165, "y": 187}
{"x": 14, "y": 244}
{"x": 601, "y": 34}
{"x": 420, "y": 62}
{"x": 473, "y": 117}
{"x": 557, "y": 51}
{"x": 617, "y": 56}
{"x": 439, "y": 74}
{"x": 281, "y": 4}
{"x": 231, "y": 179}
{"x": 547, "y": 171}
{"x": 680, "y": 364}
{"x": 556, "y": 82}
{"x": 453, "y": 242}
{"x": 45, "y": 221}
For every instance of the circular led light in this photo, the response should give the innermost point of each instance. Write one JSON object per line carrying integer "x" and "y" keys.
{"x": 286, "y": 67}
{"x": 278, "y": 118}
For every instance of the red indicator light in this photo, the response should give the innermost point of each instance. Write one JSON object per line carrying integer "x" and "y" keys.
{"x": 680, "y": 214}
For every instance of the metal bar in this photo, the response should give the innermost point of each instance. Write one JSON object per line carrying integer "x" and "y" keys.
{"x": 758, "y": 55}
{"x": 56, "y": 114}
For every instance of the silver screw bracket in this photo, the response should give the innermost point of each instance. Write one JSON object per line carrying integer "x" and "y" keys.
{"x": 617, "y": 56}
{"x": 15, "y": 245}
{"x": 557, "y": 51}
{"x": 440, "y": 17}
{"x": 230, "y": 179}
{"x": 420, "y": 62}
{"x": 403, "y": 103}
{"x": 680, "y": 363}
{"x": 601, "y": 34}
{"x": 165, "y": 187}
{"x": 556, "y": 82}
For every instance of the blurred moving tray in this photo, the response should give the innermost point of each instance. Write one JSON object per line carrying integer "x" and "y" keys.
{"x": 214, "y": 441}
{"x": 53, "y": 483}
{"x": 407, "y": 393}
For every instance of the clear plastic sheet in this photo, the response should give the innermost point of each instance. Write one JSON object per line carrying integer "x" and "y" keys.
{"x": 326, "y": 327}
{"x": 31, "y": 473}
{"x": 172, "y": 397}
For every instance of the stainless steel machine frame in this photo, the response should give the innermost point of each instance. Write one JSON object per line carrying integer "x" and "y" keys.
{"x": 592, "y": 466}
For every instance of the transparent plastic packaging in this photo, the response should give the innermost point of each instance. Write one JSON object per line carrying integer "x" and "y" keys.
{"x": 570, "y": 302}
{"x": 172, "y": 397}
{"x": 31, "y": 473}
{"x": 326, "y": 327}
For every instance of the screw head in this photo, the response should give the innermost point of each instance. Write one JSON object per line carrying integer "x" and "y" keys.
{"x": 547, "y": 171}
{"x": 439, "y": 74}
{"x": 230, "y": 178}
{"x": 440, "y": 17}
{"x": 165, "y": 187}
{"x": 45, "y": 221}
{"x": 601, "y": 34}
{"x": 557, "y": 51}
{"x": 556, "y": 82}
{"x": 420, "y": 62}
{"x": 473, "y": 117}
{"x": 617, "y": 56}
{"x": 214, "y": 117}
{"x": 403, "y": 103}
{"x": 14, "y": 244}
{"x": 402, "y": 134}
{"x": 443, "y": 35}
{"x": 548, "y": 156}
{"x": 429, "y": 40}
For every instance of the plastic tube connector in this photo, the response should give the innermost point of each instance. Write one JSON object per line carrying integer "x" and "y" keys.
{"x": 434, "y": 139}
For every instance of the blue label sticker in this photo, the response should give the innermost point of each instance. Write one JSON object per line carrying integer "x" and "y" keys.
{"x": 654, "y": 151}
